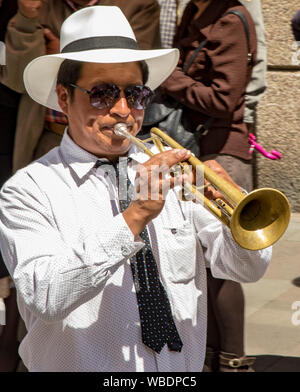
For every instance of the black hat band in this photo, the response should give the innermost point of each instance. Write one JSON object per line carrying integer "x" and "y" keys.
{"x": 109, "y": 42}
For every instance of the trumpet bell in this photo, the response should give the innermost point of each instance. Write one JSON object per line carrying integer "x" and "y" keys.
{"x": 260, "y": 218}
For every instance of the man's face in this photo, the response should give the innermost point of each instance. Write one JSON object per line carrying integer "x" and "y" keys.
{"x": 92, "y": 128}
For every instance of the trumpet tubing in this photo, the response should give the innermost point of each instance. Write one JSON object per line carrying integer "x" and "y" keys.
{"x": 256, "y": 220}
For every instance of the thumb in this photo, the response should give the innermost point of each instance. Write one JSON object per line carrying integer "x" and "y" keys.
{"x": 49, "y": 35}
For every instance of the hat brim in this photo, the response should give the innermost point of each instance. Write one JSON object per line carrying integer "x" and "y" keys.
{"x": 40, "y": 75}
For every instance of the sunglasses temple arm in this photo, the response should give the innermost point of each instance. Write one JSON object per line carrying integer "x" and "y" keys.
{"x": 80, "y": 88}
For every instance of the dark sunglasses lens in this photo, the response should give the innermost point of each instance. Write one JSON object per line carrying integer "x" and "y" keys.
{"x": 138, "y": 97}
{"x": 104, "y": 95}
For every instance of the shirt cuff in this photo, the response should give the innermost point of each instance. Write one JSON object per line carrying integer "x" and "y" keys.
{"x": 118, "y": 241}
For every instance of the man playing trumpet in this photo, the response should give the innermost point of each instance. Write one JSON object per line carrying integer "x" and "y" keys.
{"x": 107, "y": 284}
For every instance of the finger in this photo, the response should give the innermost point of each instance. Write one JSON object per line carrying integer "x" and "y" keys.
{"x": 169, "y": 158}
{"x": 220, "y": 171}
{"x": 212, "y": 194}
{"x": 155, "y": 181}
{"x": 49, "y": 34}
{"x": 159, "y": 188}
{"x": 162, "y": 162}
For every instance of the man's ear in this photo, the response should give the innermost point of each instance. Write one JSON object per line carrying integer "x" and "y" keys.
{"x": 63, "y": 98}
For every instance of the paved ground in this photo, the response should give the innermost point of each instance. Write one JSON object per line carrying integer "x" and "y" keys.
{"x": 273, "y": 307}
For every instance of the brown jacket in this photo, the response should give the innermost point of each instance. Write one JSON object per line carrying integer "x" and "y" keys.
{"x": 25, "y": 41}
{"x": 216, "y": 82}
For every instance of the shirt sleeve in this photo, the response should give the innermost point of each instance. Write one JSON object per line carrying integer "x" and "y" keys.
{"x": 225, "y": 258}
{"x": 52, "y": 276}
{"x": 228, "y": 72}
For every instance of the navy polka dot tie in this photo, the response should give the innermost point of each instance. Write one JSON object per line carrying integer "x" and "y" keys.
{"x": 157, "y": 324}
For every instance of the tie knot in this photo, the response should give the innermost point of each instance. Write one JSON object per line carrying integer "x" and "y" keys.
{"x": 119, "y": 177}
{"x": 121, "y": 164}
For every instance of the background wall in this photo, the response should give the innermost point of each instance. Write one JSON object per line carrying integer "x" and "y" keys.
{"x": 278, "y": 114}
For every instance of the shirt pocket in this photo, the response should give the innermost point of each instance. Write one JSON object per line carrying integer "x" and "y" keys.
{"x": 180, "y": 244}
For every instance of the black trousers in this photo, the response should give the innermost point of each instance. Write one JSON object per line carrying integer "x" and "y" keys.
{"x": 9, "y": 102}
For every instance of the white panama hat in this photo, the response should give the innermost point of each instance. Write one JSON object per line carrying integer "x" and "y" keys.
{"x": 99, "y": 34}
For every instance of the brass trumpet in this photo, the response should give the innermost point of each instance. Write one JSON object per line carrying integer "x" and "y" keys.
{"x": 256, "y": 220}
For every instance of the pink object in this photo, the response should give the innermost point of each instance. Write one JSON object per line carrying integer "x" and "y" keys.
{"x": 254, "y": 145}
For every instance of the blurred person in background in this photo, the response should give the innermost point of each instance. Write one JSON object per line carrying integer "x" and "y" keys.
{"x": 171, "y": 12}
{"x": 295, "y": 25}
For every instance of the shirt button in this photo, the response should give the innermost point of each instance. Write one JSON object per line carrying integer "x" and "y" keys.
{"x": 125, "y": 251}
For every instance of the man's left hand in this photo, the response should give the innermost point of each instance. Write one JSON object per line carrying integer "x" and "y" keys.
{"x": 210, "y": 192}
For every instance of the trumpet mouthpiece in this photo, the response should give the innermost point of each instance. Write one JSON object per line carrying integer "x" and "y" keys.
{"x": 120, "y": 129}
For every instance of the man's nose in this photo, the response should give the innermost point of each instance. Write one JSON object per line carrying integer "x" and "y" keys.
{"x": 121, "y": 107}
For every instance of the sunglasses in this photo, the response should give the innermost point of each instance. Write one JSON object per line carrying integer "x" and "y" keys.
{"x": 105, "y": 95}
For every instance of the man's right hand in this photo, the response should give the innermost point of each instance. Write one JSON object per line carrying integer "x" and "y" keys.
{"x": 153, "y": 186}
{"x": 30, "y": 8}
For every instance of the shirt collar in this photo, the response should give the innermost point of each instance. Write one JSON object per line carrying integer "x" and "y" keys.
{"x": 76, "y": 7}
{"x": 82, "y": 161}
